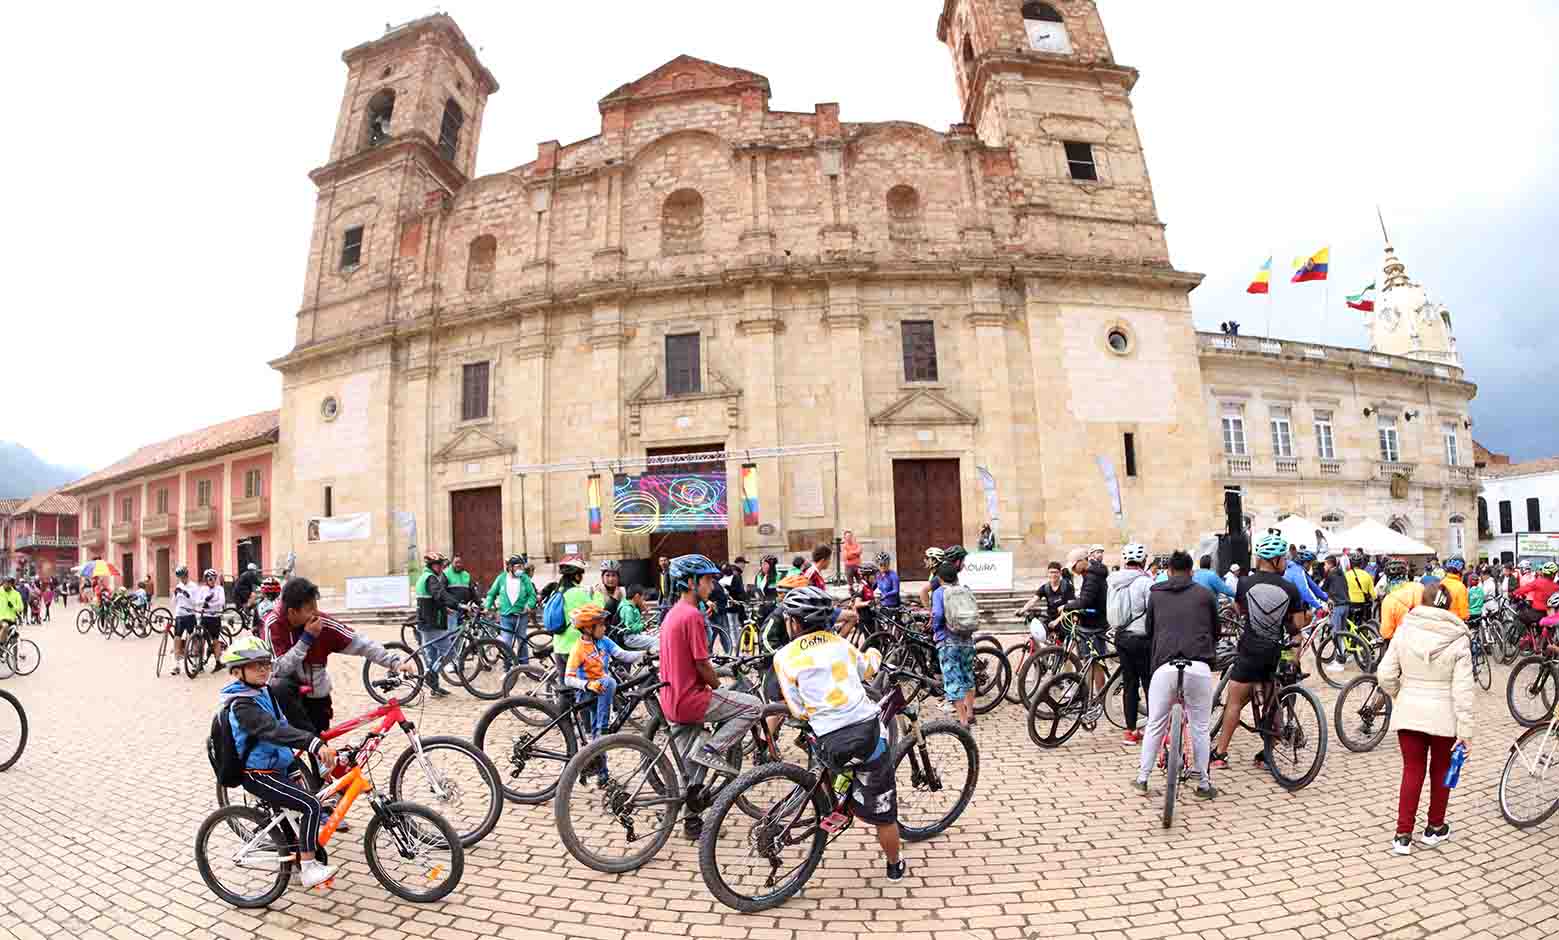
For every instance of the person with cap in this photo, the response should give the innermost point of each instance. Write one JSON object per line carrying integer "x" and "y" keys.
{"x": 1091, "y": 597}
{"x": 1127, "y": 603}
{"x": 513, "y": 596}
{"x": 435, "y": 604}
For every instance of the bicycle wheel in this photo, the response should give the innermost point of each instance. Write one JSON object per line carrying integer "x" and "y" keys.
{"x": 232, "y": 623}
{"x": 1482, "y": 669}
{"x": 105, "y": 623}
{"x": 6, "y": 671}
{"x": 1531, "y": 690}
{"x": 1362, "y": 663}
{"x": 1046, "y": 662}
{"x": 992, "y": 675}
{"x": 1297, "y": 749}
{"x": 1115, "y": 702}
{"x": 1057, "y": 710}
{"x": 754, "y": 864}
{"x": 85, "y": 620}
{"x": 944, "y": 768}
{"x": 530, "y": 679}
{"x": 413, "y": 851}
{"x": 161, "y": 620}
{"x": 1529, "y": 784}
{"x": 454, "y": 778}
{"x": 162, "y": 651}
{"x": 540, "y": 643}
{"x": 482, "y": 668}
{"x": 1021, "y": 652}
{"x": 627, "y": 821}
{"x": 195, "y": 652}
{"x": 24, "y": 656}
{"x": 409, "y": 633}
{"x": 386, "y": 682}
{"x": 1174, "y": 754}
{"x": 13, "y": 729}
{"x": 239, "y": 866}
{"x": 1362, "y": 714}
{"x": 529, "y": 744}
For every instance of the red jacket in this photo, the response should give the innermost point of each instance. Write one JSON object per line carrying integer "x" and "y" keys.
{"x": 1538, "y": 590}
{"x": 303, "y": 658}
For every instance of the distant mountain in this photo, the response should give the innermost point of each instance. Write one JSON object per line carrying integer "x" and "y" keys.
{"x": 23, "y": 473}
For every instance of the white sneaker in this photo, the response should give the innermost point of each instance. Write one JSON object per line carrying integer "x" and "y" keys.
{"x": 1402, "y": 845}
{"x": 313, "y": 873}
{"x": 1436, "y": 836}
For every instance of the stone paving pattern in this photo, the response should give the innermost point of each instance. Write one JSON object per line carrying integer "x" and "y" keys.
{"x": 100, "y": 814}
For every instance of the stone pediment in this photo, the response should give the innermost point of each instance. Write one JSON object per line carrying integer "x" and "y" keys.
{"x": 650, "y": 393}
{"x": 474, "y": 444}
{"x": 686, "y": 73}
{"x": 923, "y": 407}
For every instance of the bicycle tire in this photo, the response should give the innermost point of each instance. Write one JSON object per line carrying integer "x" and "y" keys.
{"x": 992, "y": 673}
{"x": 1060, "y": 703}
{"x": 709, "y": 841}
{"x": 1287, "y": 705}
{"x": 1523, "y": 692}
{"x": 1482, "y": 669}
{"x": 1046, "y": 662}
{"x": 924, "y": 775}
{"x": 447, "y": 839}
{"x": 514, "y": 755}
{"x": 389, "y": 682}
{"x": 256, "y": 820}
{"x": 162, "y": 652}
{"x": 232, "y": 622}
{"x": 659, "y": 769}
{"x": 1323, "y": 655}
{"x": 1173, "y": 757}
{"x": 195, "y": 653}
{"x": 105, "y": 624}
{"x": 483, "y": 658}
{"x": 481, "y": 822}
{"x": 1022, "y": 649}
{"x": 1546, "y": 765}
{"x": 85, "y": 620}
{"x": 1114, "y": 696}
{"x": 11, "y": 750}
{"x": 409, "y": 633}
{"x": 1351, "y": 702}
{"x": 24, "y": 656}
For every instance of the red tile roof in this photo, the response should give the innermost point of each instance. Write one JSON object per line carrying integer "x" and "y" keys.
{"x": 228, "y": 436}
{"x": 1544, "y": 465}
{"x": 1482, "y": 455}
{"x": 51, "y": 502}
{"x": 8, "y": 506}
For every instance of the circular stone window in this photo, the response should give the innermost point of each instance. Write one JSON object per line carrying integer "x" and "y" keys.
{"x": 329, "y": 408}
{"x": 1119, "y": 340}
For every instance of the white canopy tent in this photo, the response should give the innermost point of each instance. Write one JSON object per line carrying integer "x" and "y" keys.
{"x": 1377, "y": 539}
{"x": 1300, "y": 531}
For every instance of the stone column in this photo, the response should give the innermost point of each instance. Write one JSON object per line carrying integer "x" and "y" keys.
{"x": 607, "y": 339}
{"x": 997, "y": 437}
{"x": 848, "y": 418}
{"x": 759, "y": 329}
{"x": 532, "y": 355}
{"x": 225, "y": 530}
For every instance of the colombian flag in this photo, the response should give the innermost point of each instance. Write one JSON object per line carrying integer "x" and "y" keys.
{"x": 1364, "y": 300}
{"x": 1263, "y": 281}
{"x": 749, "y": 494}
{"x": 1312, "y": 268}
{"x": 593, "y": 500}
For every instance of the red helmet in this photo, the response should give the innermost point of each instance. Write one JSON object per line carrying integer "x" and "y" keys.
{"x": 270, "y": 587}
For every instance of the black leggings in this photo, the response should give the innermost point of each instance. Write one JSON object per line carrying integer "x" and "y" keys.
{"x": 1136, "y": 673}
{"x": 275, "y": 789}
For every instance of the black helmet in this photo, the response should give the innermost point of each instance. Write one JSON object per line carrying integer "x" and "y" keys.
{"x": 180, "y": 571}
{"x": 884, "y": 559}
{"x": 953, "y": 554}
{"x": 810, "y": 605}
{"x": 514, "y": 560}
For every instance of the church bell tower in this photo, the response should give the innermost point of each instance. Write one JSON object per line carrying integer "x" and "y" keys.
{"x": 1407, "y": 321}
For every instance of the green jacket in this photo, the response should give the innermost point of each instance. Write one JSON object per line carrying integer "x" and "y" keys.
{"x": 629, "y": 620}
{"x": 498, "y": 595}
{"x": 10, "y": 604}
{"x": 573, "y": 599}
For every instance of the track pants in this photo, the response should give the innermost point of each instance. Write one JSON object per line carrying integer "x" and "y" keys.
{"x": 275, "y": 789}
{"x": 1198, "y": 706}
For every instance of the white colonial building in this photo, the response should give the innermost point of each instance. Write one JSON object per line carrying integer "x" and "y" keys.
{"x": 1518, "y": 511}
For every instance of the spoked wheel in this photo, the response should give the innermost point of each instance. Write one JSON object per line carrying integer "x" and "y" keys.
{"x": 1531, "y": 690}
{"x": 1046, "y": 662}
{"x": 24, "y": 657}
{"x": 13, "y": 729}
{"x": 239, "y": 865}
{"x": 527, "y": 745}
{"x": 1296, "y": 748}
{"x": 935, "y": 778}
{"x": 621, "y": 825}
{"x": 164, "y": 651}
{"x": 85, "y": 620}
{"x": 1358, "y": 661}
{"x": 529, "y": 679}
{"x": 1483, "y": 669}
{"x": 161, "y": 621}
{"x": 482, "y": 668}
{"x": 195, "y": 653}
{"x": 754, "y": 864}
{"x": 1115, "y": 702}
{"x": 409, "y": 633}
{"x": 386, "y": 682}
{"x": 1017, "y": 654}
{"x": 1362, "y": 714}
{"x": 992, "y": 675}
{"x": 413, "y": 852}
{"x": 232, "y": 623}
{"x": 1057, "y": 710}
{"x": 456, "y": 780}
{"x": 1529, "y": 784}
{"x": 1174, "y": 756}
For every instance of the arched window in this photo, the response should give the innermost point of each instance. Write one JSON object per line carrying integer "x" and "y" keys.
{"x": 968, "y": 55}
{"x": 381, "y": 108}
{"x": 682, "y": 223}
{"x": 449, "y": 130}
{"x": 903, "y": 212}
{"x": 480, "y": 264}
{"x": 1046, "y": 29}
{"x": 1041, "y": 12}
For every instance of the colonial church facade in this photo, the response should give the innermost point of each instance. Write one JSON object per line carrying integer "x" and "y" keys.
{"x": 984, "y": 319}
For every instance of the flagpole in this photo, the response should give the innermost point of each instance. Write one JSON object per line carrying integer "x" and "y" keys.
{"x": 1269, "y": 295}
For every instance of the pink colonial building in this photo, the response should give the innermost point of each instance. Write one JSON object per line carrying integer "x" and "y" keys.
{"x": 201, "y": 499}
{"x": 41, "y": 535}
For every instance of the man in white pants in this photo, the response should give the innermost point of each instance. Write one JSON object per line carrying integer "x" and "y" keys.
{"x": 1182, "y": 623}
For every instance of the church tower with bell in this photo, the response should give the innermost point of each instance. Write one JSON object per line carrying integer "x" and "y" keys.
{"x": 1407, "y": 322}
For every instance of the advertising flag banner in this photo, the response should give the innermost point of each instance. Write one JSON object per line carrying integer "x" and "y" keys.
{"x": 593, "y": 501}
{"x": 749, "y": 494}
{"x": 680, "y": 502}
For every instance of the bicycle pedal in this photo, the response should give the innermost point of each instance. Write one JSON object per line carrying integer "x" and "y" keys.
{"x": 833, "y": 822}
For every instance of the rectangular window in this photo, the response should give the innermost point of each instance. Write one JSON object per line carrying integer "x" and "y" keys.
{"x": 683, "y": 375}
{"x": 1131, "y": 454}
{"x": 329, "y": 503}
{"x": 1390, "y": 446}
{"x": 251, "y": 484}
{"x": 1534, "y": 516}
{"x": 1282, "y": 433}
{"x": 473, "y": 391}
{"x": 202, "y": 493}
{"x": 1452, "y": 451}
{"x": 1507, "y": 523}
{"x": 919, "y": 350}
{"x": 1324, "y": 446}
{"x": 97, "y": 517}
{"x": 124, "y": 509}
{"x": 162, "y": 501}
{"x": 351, "y": 247}
{"x": 1079, "y": 159}
{"x": 1234, "y": 434}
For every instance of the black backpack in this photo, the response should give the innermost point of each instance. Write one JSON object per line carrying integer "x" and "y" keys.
{"x": 222, "y": 750}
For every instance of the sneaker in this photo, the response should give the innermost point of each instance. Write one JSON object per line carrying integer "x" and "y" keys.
{"x": 1336, "y": 666}
{"x": 1141, "y": 786}
{"x": 707, "y": 756}
{"x": 1435, "y": 835}
{"x": 1208, "y": 792}
{"x": 313, "y": 873}
{"x": 1218, "y": 761}
{"x": 1402, "y": 844}
{"x": 1259, "y": 761}
{"x": 439, "y": 691}
{"x": 1131, "y": 737}
{"x": 896, "y": 871}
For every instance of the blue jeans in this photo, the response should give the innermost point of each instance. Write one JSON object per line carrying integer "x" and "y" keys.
{"x": 512, "y": 626}
{"x": 1339, "y": 626}
{"x": 603, "y": 703}
{"x": 638, "y": 641}
{"x": 437, "y": 643}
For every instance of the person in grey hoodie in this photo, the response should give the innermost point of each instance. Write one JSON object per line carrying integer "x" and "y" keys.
{"x": 1128, "y": 608}
{"x": 1182, "y": 623}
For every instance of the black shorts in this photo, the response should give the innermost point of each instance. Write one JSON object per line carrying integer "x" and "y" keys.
{"x": 184, "y": 625}
{"x": 771, "y": 687}
{"x": 876, "y": 798}
{"x": 1092, "y": 643}
{"x": 212, "y": 626}
{"x": 1253, "y": 665}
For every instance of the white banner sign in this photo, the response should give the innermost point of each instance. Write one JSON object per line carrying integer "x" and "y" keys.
{"x": 392, "y": 591}
{"x": 806, "y": 496}
{"x": 987, "y": 571}
{"x": 340, "y": 528}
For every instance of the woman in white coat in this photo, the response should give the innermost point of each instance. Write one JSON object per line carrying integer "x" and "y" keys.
{"x": 1427, "y": 671}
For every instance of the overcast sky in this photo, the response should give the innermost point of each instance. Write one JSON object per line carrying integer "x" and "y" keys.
{"x": 160, "y": 223}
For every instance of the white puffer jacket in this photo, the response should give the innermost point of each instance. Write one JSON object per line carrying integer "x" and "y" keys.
{"x": 1427, "y": 671}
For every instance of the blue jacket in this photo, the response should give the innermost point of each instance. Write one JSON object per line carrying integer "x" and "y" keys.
{"x": 256, "y": 717}
{"x": 1210, "y": 580}
{"x": 888, "y": 588}
{"x": 1295, "y": 574}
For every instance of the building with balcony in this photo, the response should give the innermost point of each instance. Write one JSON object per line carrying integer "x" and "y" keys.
{"x": 43, "y": 535}
{"x": 7, "y": 509}
{"x": 201, "y": 499}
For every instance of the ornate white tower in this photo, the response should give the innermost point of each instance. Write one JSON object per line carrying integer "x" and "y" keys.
{"x": 1406, "y": 321}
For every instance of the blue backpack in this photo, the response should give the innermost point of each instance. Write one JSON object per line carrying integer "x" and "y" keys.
{"x": 552, "y": 619}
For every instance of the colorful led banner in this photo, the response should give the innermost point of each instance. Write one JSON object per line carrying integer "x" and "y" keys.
{"x": 682, "y": 502}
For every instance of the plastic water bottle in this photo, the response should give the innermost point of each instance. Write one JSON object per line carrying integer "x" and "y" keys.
{"x": 1458, "y": 757}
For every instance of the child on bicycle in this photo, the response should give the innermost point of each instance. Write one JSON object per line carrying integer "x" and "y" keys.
{"x": 267, "y": 742}
{"x": 630, "y": 621}
{"x": 589, "y": 667}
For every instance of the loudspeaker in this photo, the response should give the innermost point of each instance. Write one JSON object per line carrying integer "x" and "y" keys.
{"x": 1233, "y": 544}
{"x": 1233, "y": 512}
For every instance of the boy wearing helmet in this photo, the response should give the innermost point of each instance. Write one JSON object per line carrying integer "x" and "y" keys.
{"x": 513, "y": 595}
{"x": 266, "y": 741}
{"x": 821, "y": 677}
{"x": 589, "y": 667}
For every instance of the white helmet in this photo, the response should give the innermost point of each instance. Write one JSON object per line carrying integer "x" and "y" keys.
{"x": 1134, "y": 553}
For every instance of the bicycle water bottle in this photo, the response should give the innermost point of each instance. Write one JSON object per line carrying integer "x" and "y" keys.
{"x": 1458, "y": 757}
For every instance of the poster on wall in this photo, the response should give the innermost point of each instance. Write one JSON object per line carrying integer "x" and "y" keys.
{"x": 365, "y": 593}
{"x": 350, "y": 528}
{"x": 668, "y": 502}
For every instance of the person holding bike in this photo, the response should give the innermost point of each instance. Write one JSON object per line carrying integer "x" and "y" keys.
{"x": 513, "y": 596}
{"x": 589, "y": 668}
{"x": 1127, "y": 612}
{"x": 1336, "y": 585}
{"x": 1181, "y": 622}
{"x": 10, "y": 609}
{"x": 1092, "y": 622}
{"x": 210, "y": 598}
{"x": 822, "y": 680}
{"x": 435, "y": 605}
{"x": 183, "y": 615}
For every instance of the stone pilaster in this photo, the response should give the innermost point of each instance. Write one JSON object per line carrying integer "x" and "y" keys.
{"x": 759, "y": 329}
{"x": 846, "y": 345}
{"x": 607, "y": 339}
{"x": 532, "y": 357}
{"x": 997, "y": 437}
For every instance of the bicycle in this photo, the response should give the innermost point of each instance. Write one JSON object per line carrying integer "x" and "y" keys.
{"x": 267, "y": 843}
{"x": 448, "y": 771}
{"x": 1362, "y": 714}
{"x": 1532, "y": 689}
{"x": 1281, "y": 708}
{"x": 1176, "y": 771}
{"x": 1361, "y": 644}
{"x": 1070, "y": 697}
{"x": 472, "y": 658}
{"x": 13, "y": 730}
{"x": 235, "y": 620}
{"x": 904, "y": 647}
{"x": 1043, "y": 661}
{"x": 18, "y": 656}
{"x": 813, "y": 806}
{"x": 1533, "y": 759}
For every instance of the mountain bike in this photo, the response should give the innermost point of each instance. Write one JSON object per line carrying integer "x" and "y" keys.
{"x": 803, "y": 810}
{"x": 1529, "y": 784}
{"x": 1067, "y": 701}
{"x": 1361, "y": 644}
{"x": 245, "y": 853}
{"x": 1362, "y": 714}
{"x": 1042, "y": 661}
{"x": 18, "y": 656}
{"x": 1176, "y": 770}
{"x": 1288, "y": 718}
{"x": 903, "y": 646}
{"x": 1532, "y": 689}
{"x": 472, "y": 657}
{"x": 13, "y": 729}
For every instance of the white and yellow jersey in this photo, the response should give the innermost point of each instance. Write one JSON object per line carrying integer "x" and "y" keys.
{"x": 823, "y": 680}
